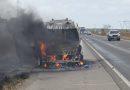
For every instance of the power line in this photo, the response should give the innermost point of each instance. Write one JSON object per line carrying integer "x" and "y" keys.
{"x": 125, "y": 24}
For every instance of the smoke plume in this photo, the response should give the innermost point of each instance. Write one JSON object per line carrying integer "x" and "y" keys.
{"x": 18, "y": 35}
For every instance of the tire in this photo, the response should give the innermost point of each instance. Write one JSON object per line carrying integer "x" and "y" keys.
{"x": 109, "y": 39}
{"x": 118, "y": 39}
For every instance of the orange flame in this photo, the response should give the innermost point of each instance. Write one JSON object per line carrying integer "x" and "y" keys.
{"x": 58, "y": 65}
{"x": 65, "y": 57}
{"x": 53, "y": 57}
{"x": 45, "y": 65}
{"x": 42, "y": 48}
{"x": 81, "y": 63}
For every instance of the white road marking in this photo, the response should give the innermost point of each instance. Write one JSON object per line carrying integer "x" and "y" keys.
{"x": 110, "y": 65}
{"x": 95, "y": 84}
{"x": 106, "y": 36}
{"x": 117, "y": 47}
{"x": 116, "y": 44}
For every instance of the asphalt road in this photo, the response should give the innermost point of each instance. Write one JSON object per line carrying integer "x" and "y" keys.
{"x": 116, "y": 52}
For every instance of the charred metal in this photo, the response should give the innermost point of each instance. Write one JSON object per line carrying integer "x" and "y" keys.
{"x": 60, "y": 46}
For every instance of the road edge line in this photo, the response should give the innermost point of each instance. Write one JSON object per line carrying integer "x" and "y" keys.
{"x": 127, "y": 40}
{"x": 110, "y": 65}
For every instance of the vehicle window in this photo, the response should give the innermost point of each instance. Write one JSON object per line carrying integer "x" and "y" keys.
{"x": 114, "y": 32}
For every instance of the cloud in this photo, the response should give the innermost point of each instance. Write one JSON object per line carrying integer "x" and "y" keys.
{"x": 85, "y": 12}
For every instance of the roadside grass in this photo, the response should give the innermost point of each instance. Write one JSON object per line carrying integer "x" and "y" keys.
{"x": 125, "y": 35}
{"x": 13, "y": 83}
{"x": 101, "y": 33}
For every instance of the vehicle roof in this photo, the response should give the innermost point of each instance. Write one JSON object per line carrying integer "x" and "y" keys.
{"x": 113, "y": 30}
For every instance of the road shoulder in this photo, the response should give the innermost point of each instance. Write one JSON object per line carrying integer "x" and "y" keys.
{"x": 93, "y": 78}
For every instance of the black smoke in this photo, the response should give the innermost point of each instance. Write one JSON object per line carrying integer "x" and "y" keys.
{"x": 18, "y": 36}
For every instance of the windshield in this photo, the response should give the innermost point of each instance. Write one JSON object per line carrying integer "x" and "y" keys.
{"x": 114, "y": 32}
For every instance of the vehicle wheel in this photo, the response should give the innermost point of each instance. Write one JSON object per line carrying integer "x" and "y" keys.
{"x": 118, "y": 39}
{"x": 109, "y": 39}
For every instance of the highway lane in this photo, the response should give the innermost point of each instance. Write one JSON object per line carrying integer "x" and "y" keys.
{"x": 123, "y": 44}
{"x": 116, "y": 52}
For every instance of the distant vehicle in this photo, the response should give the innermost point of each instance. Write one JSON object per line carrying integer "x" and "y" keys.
{"x": 82, "y": 30}
{"x": 88, "y": 33}
{"x": 113, "y": 34}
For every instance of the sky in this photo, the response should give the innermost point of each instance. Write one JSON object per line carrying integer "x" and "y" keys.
{"x": 87, "y": 13}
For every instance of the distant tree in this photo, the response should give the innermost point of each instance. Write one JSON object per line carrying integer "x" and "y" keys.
{"x": 105, "y": 29}
{"x": 107, "y": 26}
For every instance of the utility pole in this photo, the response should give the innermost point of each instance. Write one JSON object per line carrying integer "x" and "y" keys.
{"x": 125, "y": 24}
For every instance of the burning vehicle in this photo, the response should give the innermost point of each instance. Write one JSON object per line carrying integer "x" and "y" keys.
{"x": 60, "y": 45}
